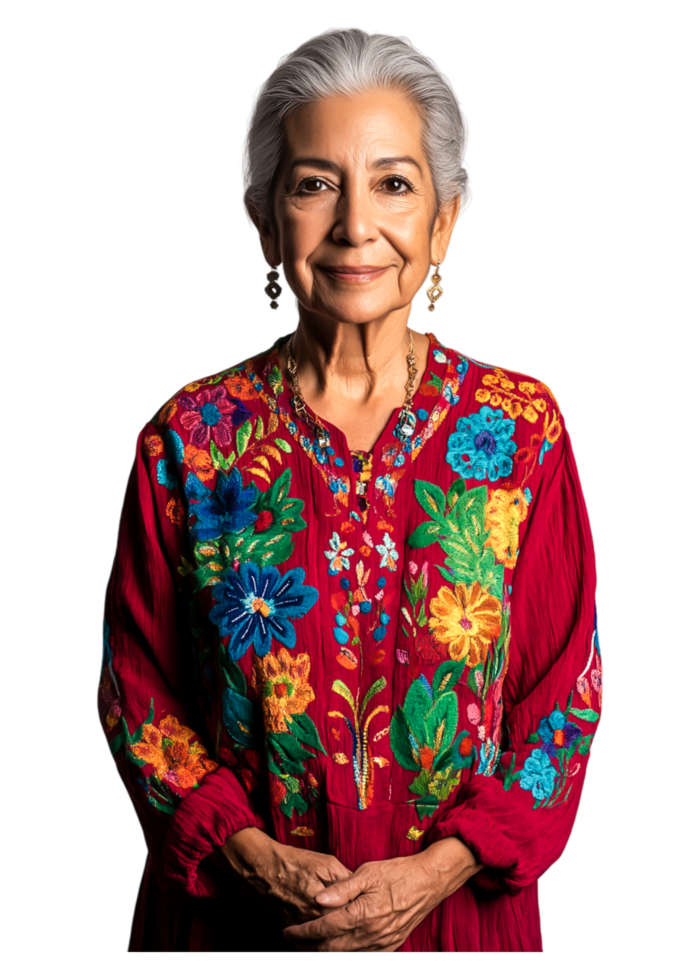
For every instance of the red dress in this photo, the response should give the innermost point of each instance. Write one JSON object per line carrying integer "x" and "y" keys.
{"x": 358, "y": 653}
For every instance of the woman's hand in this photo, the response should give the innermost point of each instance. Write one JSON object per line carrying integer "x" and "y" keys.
{"x": 378, "y": 907}
{"x": 287, "y": 877}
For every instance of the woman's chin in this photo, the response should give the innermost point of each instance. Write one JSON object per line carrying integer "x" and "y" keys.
{"x": 346, "y": 309}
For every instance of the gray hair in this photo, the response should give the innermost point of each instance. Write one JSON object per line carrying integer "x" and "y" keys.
{"x": 347, "y": 62}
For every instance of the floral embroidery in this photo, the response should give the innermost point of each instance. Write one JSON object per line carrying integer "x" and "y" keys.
{"x": 529, "y": 400}
{"x": 266, "y": 521}
{"x": 505, "y": 512}
{"x": 458, "y": 524}
{"x": 177, "y": 763}
{"x": 282, "y": 682}
{"x": 338, "y": 554}
{"x": 466, "y": 620}
{"x": 253, "y": 604}
{"x": 481, "y": 447}
{"x": 388, "y": 552}
{"x": 211, "y": 414}
{"x": 550, "y": 766}
{"x": 424, "y": 737}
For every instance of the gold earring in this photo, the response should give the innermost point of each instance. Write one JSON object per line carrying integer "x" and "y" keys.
{"x": 435, "y": 291}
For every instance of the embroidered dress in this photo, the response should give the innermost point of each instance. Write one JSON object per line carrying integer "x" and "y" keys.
{"x": 360, "y": 653}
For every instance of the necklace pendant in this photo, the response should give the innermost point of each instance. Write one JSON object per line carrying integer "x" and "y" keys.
{"x": 322, "y": 438}
{"x": 405, "y": 424}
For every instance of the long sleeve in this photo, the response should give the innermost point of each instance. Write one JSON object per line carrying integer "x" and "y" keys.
{"x": 517, "y": 820}
{"x": 151, "y": 689}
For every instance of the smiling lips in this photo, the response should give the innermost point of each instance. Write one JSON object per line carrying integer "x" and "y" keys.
{"x": 354, "y": 273}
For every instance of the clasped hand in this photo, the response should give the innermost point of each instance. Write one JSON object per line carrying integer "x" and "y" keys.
{"x": 376, "y": 908}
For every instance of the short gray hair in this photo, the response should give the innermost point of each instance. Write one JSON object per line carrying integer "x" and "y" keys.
{"x": 347, "y": 62}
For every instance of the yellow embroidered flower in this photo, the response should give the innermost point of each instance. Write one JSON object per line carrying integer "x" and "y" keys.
{"x": 554, "y": 430}
{"x": 529, "y": 414}
{"x": 482, "y": 395}
{"x": 527, "y": 387}
{"x": 507, "y": 384}
{"x": 495, "y": 400}
{"x": 466, "y": 620}
{"x": 505, "y": 511}
{"x": 175, "y": 759}
{"x": 540, "y": 404}
{"x": 511, "y": 408}
{"x": 282, "y": 682}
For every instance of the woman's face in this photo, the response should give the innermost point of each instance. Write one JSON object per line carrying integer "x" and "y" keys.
{"x": 355, "y": 208}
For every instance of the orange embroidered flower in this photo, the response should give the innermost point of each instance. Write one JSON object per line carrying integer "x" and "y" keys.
{"x": 154, "y": 445}
{"x": 529, "y": 414}
{"x": 167, "y": 411}
{"x": 199, "y": 461}
{"x": 240, "y": 387}
{"x": 482, "y": 395}
{"x": 511, "y": 408}
{"x": 175, "y": 759}
{"x": 527, "y": 387}
{"x": 282, "y": 681}
{"x": 495, "y": 400}
{"x": 175, "y": 511}
{"x": 554, "y": 430}
{"x": 466, "y": 620}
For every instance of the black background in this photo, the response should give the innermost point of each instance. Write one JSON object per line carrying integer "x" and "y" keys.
{"x": 180, "y": 293}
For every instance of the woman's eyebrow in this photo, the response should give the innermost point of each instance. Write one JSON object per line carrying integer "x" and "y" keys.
{"x": 379, "y": 164}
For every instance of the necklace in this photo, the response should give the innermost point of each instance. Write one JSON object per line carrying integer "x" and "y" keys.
{"x": 405, "y": 424}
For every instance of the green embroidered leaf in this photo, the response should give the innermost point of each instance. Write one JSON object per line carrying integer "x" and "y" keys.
{"x": 416, "y": 706}
{"x": 420, "y": 784}
{"x": 118, "y": 741}
{"x": 285, "y": 743}
{"x": 447, "y": 675}
{"x": 441, "y": 721}
{"x": 217, "y": 456}
{"x": 299, "y": 803}
{"x": 378, "y": 686}
{"x": 426, "y": 809}
{"x": 425, "y": 534}
{"x": 471, "y": 678}
{"x": 259, "y": 428}
{"x": 243, "y": 436}
{"x": 533, "y": 737}
{"x": 585, "y": 744}
{"x": 452, "y": 757}
{"x": 305, "y": 730}
{"x": 238, "y": 715}
{"x": 343, "y": 690}
{"x": 228, "y": 463}
{"x": 400, "y": 743}
{"x": 430, "y": 497}
{"x": 283, "y": 445}
{"x": 456, "y": 490}
{"x": 446, "y": 574}
{"x": 587, "y": 714}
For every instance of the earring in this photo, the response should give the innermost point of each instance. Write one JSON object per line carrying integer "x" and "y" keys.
{"x": 435, "y": 291}
{"x": 273, "y": 288}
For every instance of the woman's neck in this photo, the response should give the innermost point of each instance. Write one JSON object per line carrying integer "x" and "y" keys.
{"x": 356, "y": 362}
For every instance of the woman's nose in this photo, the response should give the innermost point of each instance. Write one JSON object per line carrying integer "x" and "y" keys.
{"x": 355, "y": 222}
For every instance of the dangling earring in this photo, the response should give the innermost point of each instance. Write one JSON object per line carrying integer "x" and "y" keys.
{"x": 273, "y": 288}
{"x": 435, "y": 291}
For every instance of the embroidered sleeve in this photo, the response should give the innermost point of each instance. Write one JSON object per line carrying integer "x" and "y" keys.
{"x": 150, "y": 691}
{"x": 517, "y": 820}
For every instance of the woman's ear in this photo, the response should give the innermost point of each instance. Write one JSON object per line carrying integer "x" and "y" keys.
{"x": 442, "y": 230}
{"x": 268, "y": 234}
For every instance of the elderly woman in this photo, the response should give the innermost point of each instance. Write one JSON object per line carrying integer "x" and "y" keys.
{"x": 351, "y": 673}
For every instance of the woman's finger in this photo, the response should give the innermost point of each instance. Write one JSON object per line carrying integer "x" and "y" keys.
{"x": 342, "y": 892}
{"x": 330, "y": 926}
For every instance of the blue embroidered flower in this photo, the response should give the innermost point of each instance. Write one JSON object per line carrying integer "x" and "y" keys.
{"x": 481, "y": 447}
{"x": 226, "y": 509}
{"x": 255, "y": 604}
{"x": 557, "y": 733}
{"x": 338, "y": 555}
{"x": 168, "y": 469}
{"x": 385, "y": 484}
{"x": 538, "y": 775}
{"x": 388, "y": 552}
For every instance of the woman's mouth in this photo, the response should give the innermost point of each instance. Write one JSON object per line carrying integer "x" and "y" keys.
{"x": 354, "y": 273}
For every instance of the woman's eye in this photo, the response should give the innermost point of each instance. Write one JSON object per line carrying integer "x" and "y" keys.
{"x": 397, "y": 185}
{"x": 387, "y": 180}
{"x": 312, "y": 185}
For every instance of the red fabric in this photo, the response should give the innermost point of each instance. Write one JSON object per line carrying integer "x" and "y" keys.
{"x": 322, "y": 707}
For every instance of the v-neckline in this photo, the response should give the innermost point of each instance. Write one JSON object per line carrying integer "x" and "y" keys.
{"x": 338, "y": 438}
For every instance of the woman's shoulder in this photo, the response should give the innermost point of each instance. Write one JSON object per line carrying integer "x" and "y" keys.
{"x": 225, "y": 398}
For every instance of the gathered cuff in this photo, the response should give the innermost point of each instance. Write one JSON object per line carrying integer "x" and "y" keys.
{"x": 204, "y": 820}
